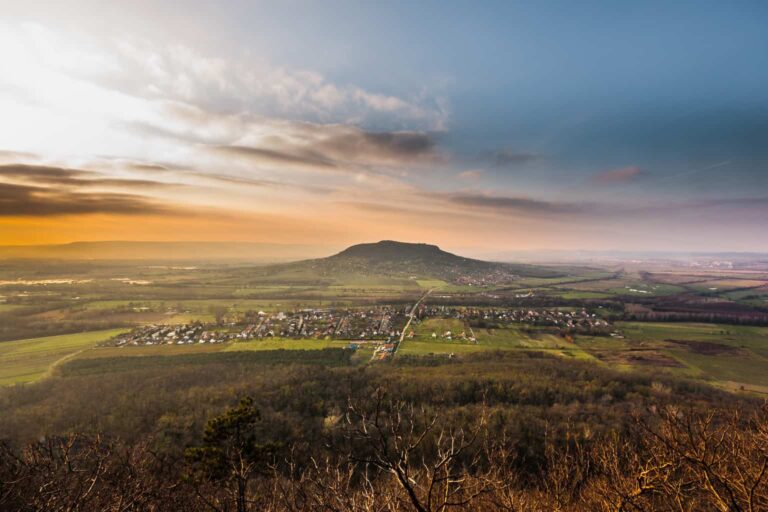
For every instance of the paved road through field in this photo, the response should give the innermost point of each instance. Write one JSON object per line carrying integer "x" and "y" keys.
{"x": 408, "y": 323}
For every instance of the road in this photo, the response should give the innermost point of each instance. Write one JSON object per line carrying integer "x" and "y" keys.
{"x": 405, "y": 329}
{"x": 408, "y": 323}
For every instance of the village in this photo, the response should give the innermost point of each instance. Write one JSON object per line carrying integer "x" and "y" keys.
{"x": 568, "y": 321}
{"x": 380, "y": 325}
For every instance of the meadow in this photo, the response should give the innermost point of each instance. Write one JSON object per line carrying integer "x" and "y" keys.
{"x": 28, "y": 360}
{"x": 728, "y": 356}
{"x": 52, "y": 311}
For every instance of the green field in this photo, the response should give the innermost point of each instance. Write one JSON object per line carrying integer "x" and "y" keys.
{"x": 439, "y": 326}
{"x": 422, "y": 348}
{"x": 504, "y": 338}
{"x": 436, "y": 284}
{"x": 728, "y": 355}
{"x": 741, "y": 336}
{"x": 601, "y": 343}
{"x": 581, "y": 295}
{"x": 739, "y": 360}
{"x": 415, "y": 347}
{"x": 741, "y": 368}
{"x": 515, "y": 337}
{"x": 284, "y": 344}
{"x": 151, "y": 350}
{"x": 745, "y": 362}
{"x": 29, "y": 360}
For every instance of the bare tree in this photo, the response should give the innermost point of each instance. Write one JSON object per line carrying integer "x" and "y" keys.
{"x": 395, "y": 439}
{"x": 727, "y": 456}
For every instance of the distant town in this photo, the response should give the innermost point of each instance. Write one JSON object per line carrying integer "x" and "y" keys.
{"x": 382, "y": 326}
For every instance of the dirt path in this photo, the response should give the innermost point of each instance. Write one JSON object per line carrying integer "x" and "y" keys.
{"x": 49, "y": 372}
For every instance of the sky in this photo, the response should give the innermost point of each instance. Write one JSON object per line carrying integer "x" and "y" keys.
{"x": 479, "y": 126}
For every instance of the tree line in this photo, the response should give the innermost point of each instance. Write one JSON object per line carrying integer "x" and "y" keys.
{"x": 390, "y": 456}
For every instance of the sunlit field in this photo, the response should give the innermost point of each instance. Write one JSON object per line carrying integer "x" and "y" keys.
{"x": 28, "y": 360}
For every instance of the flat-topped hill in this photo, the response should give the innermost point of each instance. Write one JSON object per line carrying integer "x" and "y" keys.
{"x": 400, "y": 259}
{"x": 392, "y": 251}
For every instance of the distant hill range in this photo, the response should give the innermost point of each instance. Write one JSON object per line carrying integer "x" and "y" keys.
{"x": 191, "y": 251}
{"x": 400, "y": 259}
{"x": 386, "y": 259}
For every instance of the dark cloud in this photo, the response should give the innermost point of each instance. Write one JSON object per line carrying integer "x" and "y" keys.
{"x": 520, "y": 204}
{"x": 291, "y": 143}
{"x": 506, "y": 157}
{"x": 147, "y": 167}
{"x": 536, "y": 207}
{"x": 386, "y": 145}
{"x": 43, "y": 174}
{"x": 296, "y": 155}
{"x": 28, "y": 200}
{"x": 408, "y": 143}
{"x": 621, "y": 175}
{"x": 336, "y": 147}
{"x": 61, "y": 176}
{"x": 130, "y": 164}
{"x": 37, "y": 190}
{"x": 126, "y": 183}
{"x": 236, "y": 180}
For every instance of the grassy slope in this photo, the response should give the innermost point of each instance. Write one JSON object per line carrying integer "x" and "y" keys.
{"x": 29, "y": 360}
{"x": 748, "y": 365}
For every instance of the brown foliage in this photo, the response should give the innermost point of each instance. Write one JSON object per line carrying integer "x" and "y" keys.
{"x": 392, "y": 456}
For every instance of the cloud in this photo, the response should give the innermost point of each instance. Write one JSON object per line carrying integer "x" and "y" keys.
{"x": 622, "y": 175}
{"x": 506, "y": 157}
{"x": 408, "y": 144}
{"x": 733, "y": 202}
{"x": 542, "y": 208}
{"x": 389, "y": 210}
{"x": 6, "y": 155}
{"x": 518, "y": 204}
{"x": 471, "y": 174}
{"x": 236, "y": 180}
{"x": 147, "y": 167}
{"x": 299, "y": 156}
{"x": 294, "y": 144}
{"x": 41, "y": 173}
{"x": 75, "y": 178}
{"x": 126, "y": 183}
{"x": 236, "y": 84}
{"x": 353, "y": 144}
{"x": 28, "y": 200}
{"x": 259, "y": 183}
{"x": 332, "y": 147}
